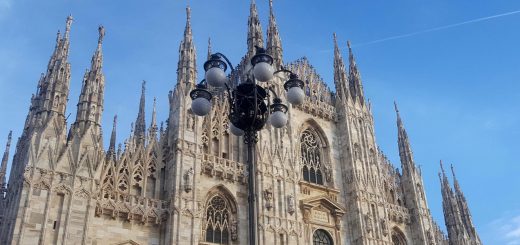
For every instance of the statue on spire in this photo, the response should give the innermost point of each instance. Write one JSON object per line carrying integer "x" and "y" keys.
{"x": 101, "y": 31}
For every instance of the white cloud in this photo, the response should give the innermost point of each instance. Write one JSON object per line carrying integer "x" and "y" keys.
{"x": 507, "y": 229}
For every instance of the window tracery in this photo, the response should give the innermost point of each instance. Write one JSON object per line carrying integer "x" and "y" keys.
{"x": 219, "y": 223}
{"x": 321, "y": 237}
{"x": 311, "y": 157}
{"x": 123, "y": 184}
{"x": 398, "y": 237}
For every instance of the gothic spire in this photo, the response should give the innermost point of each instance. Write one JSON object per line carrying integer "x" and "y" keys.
{"x": 153, "y": 124}
{"x": 97, "y": 59}
{"x": 62, "y": 43}
{"x": 456, "y": 215}
{"x": 53, "y": 87}
{"x": 3, "y": 166}
{"x": 455, "y": 181}
{"x": 67, "y": 27}
{"x": 254, "y": 31}
{"x": 355, "y": 85}
{"x": 464, "y": 209}
{"x": 90, "y": 103}
{"x": 340, "y": 74}
{"x": 405, "y": 150}
{"x": 140, "y": 125}
{"x": 274, "y": 43}
{"x": 186, "y": 67}
{"x": 445, "y": 184}
{"x": 112, "y": 147}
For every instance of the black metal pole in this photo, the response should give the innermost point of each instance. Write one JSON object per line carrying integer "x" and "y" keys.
{"x": 250, "y": 140}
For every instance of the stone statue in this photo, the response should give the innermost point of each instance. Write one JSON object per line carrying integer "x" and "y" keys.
{"x": 384, "y": 227}
{"x": 290, "y": 204}
{"x": 188, "y": 180}
{"x": 268, "y": 196}
{"x": 368, "y": 223}
{"x": 190, "y": 122}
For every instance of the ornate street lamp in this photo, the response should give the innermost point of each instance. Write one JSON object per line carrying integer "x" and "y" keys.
{"x": 250, "y": 107}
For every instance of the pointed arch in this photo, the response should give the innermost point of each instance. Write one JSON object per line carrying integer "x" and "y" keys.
{"x": 398, "y": 237}
{"x": 220, "y": 216}
{"x": 311, "y": 123}
{"x": 314, "y": 154}
{"x": 321, "y": 237}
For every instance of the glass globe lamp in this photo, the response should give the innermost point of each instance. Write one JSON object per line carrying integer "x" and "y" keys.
{"x": 262, "y": 65}
{"x": 235, "y": 131}
{"x": 215, "y": 71}
{"x": 294, "y": 88}
{"x": 201, "y": 100}
{"x": 278, "y": 118}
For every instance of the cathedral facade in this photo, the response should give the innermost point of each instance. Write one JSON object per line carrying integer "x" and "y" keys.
{"x": 320, "y": 180}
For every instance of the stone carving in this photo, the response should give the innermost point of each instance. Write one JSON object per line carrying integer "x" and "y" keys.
{"x": 190, "y": 124}
{"x": 368, "y": 223}
{"x": 430, "y": 237}
{"x": 384, "y": 227}
{"x": 223, "y": 168}
{"x": 290, "y": 204}
{"x": 337, "y": 222}
{"x": 328, "y": 174}
{"x": 306, "y": 215}
{"x": 234, "y": 229}
{"x": 268, "y": 196}
{"x": 188, "y": 180}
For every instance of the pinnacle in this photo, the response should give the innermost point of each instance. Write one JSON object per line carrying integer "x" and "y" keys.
{"x": 101, "y": 31}
{"x": 67, "y": 26}
{"x": 452, "y": 171}
{"x": 442, "y": 168}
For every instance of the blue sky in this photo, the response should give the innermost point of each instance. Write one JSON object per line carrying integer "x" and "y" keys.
{"x": 457, "y": 88}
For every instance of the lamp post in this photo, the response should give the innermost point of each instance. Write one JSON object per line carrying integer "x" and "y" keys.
{"x": 250, "y": 107}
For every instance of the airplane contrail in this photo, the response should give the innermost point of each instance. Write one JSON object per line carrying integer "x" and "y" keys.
{"x": 438, "y": 28}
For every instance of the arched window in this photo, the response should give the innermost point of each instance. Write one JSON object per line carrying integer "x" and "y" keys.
{"x": 321, "y": 237}
{"x": 219, "y": 224}
{"x": 311, "y": 157}
{"x": 398, "y": 237}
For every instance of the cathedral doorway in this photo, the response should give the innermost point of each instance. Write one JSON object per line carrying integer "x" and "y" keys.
{"x": 321, "y": 237}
